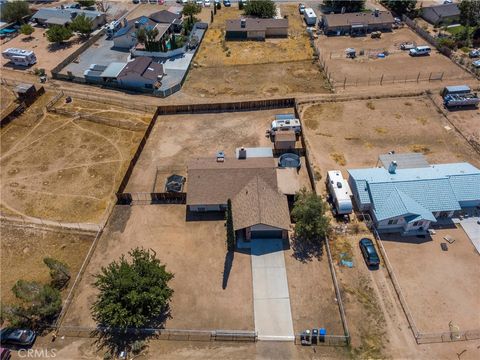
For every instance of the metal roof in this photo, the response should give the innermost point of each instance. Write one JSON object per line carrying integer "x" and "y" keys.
{"x": 416, "y": 191}
{"x": 404, "y": 160}
{"x": 113, "y": 69}
{"x": 458, "y": 88}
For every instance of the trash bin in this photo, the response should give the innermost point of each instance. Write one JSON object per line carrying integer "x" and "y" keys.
{"x": 314, "y": 336}
{"x": 322, "y": 334}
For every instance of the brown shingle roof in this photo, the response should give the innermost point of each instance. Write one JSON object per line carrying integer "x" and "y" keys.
{"x": 256, "y": 24}
{"x": 143, "y": 66}
{"x": 348, "y": 19}
{"x": 258, "y": 203}
{"x": 164, "y": 16}
{"x": 211, "y": 182}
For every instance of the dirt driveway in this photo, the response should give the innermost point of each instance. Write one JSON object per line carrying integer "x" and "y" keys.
{"x": 193, "y": 251}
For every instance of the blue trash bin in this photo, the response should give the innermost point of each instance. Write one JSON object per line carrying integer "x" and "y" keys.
{"x": 322, "y": 332}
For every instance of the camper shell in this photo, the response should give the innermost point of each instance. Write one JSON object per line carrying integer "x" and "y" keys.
{"x": 340, "y": 191}
{"x": 310, "y": 17}
{"x": 20, "y": 57}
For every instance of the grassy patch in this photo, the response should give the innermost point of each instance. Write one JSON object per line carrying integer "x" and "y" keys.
{"x": 370, "y": 105}
{"x": 311, "y": 123}
{"x": 339, "y": 158}
{"x": 422, "y": 120}
{"x": 380, "y": 130}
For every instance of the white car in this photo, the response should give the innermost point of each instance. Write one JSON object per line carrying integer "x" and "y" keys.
{"x": 199, "y": 2}
{"x": 476, "y": 64}
{"x": 207, "y": 3}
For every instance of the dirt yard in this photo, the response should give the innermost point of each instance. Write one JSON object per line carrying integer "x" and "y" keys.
{"x": 48, "y": 55}
{"x": 193, "y": 251}
{"x": 445, "y": 288}
{"x": 215, "y": 51}
{"x": 23, "y": 251}
{"x": 275, "y": 67}
{"x": 8, "y": 97}
{"x": 178, "y": 138}
{"x": 63, "y": 168}
{"x": 395, "y": 68}
{"x": 352, "y": 134}
{"x": 312, "y": 296}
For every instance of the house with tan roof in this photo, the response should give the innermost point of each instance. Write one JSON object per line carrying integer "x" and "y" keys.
{"x": 259, "y": 208}
{"x": 357, "y": 23}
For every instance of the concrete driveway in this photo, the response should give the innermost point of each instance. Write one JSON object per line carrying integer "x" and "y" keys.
{"x": 271, "y": 301}
{"x": 472, "y": 228}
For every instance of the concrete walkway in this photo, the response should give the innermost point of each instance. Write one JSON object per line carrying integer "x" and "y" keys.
{"x": 271, "y": 301}
{"x": 472, "y": 228}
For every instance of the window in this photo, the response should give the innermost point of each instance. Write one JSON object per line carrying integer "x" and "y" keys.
{"x": 393, "y": 222}
{"x": 418, "y": 223}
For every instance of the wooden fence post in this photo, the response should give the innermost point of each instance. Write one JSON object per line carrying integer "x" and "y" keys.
{"x": 418, "y": 77}
{"x": 381, "y": 80}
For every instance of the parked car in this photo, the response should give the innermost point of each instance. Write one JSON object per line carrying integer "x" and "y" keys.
{"x": 207, "y": 3}
{"x": 136, "y": 1}
{"x": 199, "y": 2}
{"x": 369, "y": 253}
{"x": 407, "y": 46}
{"x": 476, "y": 64}
{"x": 420, "y": 51}
{"x": 227, "y": 3}
{"x": 301, "y": 8}
{"x": 20, "y": 337}
{"x": 474, "y": 53}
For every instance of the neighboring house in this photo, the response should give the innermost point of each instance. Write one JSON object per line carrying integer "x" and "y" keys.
{"x": 256, "y": 29}
{"x": 357, "y": 23}
{"x": 141, "y": 74}
{"x": 164, "y": 21}
{"x": 406, "y": 195}
{"x": 259, "y": 209}
{"x": 53, "y": 16}
{"x": 441, "y": 14}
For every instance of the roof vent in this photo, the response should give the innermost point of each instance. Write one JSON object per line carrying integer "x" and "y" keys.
{"x": 393, "y": 167}
{"x": 242, "y": 153}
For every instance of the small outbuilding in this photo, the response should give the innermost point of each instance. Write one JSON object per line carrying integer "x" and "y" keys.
{"x": 175, "y": 183}
{"x": 285, "y": 140}
{"x": 441, "y": 14}
{"x": 25, "y": 92}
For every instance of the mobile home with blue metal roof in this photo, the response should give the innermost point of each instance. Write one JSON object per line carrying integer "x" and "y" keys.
{"x": 408, "y": 200}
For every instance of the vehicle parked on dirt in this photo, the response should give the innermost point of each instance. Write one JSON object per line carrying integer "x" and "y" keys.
{"x": 476, "y": 64}
{"x": 207, "y": 3}
{"x": 474, "y": 53}
{"x": 227, "y": 3}
{"x": 407, "y": 46}
{"x": 420, "y": 51}
{"x": 369, "y": 253}
{"x": 301, "y": 8}
{"x": 18, "y": 337}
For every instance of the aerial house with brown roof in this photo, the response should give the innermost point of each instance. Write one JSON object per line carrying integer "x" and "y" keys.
{"x": 259, "y": 208}
{"x": 357, "y": 23}
{"x": 256, "y": 29}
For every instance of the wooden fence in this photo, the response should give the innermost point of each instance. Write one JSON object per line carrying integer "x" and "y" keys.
{"x": 151, "y": 198}
{"x": 22, "y": 106}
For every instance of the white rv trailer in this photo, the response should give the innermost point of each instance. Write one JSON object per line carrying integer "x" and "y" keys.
{"x": 286, "y": 124}
{"x": 19, "y": 56}
{"x": 340, "y": 191}
{"x": 310, "y": 17}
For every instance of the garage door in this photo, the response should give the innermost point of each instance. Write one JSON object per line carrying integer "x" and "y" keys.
{"x": 267, "y": 234}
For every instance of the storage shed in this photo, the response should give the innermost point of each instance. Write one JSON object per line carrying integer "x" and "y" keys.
{"x": 285, "y": 140}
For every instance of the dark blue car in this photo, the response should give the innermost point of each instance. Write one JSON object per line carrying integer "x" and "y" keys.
{"x": 17, "y": 337}
{"x": 227, "y": 3}
{"x": 369, "y": 253}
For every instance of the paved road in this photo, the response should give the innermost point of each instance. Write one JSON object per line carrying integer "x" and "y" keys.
{"x": 271, "y": 301}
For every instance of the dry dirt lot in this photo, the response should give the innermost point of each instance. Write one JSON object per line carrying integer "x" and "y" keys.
{"x": 397, "y": 67}
{"x": 7, "y": 97}
{"x": 176, "y": 139}
{"x": 352, "y": 134}
{"x": 215, "y": 51}
{"x": 63, "y": 168}
{"x": 275, "y": 67}
{"x": 193, "y": 251}
{"x": 439, "y": 286}
{"x": 23, "y": 251}
{"x": 48, "y": 55}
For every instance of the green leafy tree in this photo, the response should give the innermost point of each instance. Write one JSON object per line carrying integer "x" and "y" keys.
{"x": 400, "y": 6}
{"x": 191, "y": 9}
{"x": 27, "y": 29}
{"x": 311, "y": 223}
{"x": 230, "y": 228}
{"x": 260, "y": 8}
{"x": 38, "y": 304}
{"x": 469, "y": 12}
{"x": 14, "y": 11}
{"x": 132, "y": 293}
{"x": 86, "y": 3}
{"x": 59, "y": 273}
{"x": 82, "y": 25}
{"x": 141, "y": 35}
{"x": 58, "y": 34}
{"x": 349, "y": 5}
